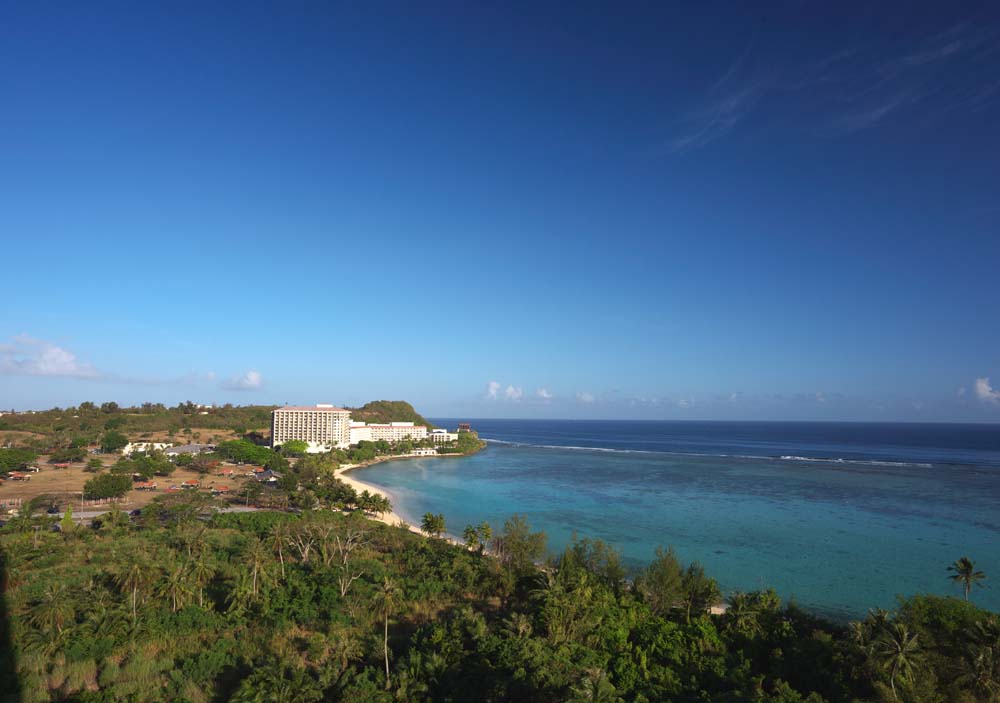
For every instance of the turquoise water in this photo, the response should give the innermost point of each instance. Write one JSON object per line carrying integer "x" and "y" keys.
{"x": 838, "y": 537}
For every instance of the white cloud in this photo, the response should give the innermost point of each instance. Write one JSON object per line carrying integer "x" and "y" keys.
{"x": 820, "y": 397}
{"x": 513, "y": 393}
{"x": 583, "y": 397}
{"x": 985, "y": 392}
{"x": 543, "y": 394}
{"x": 684, "y": 403}
{"x": 492, "y": 388}
{"x": 250, "y": 381}
{"x": 27, "y": 356}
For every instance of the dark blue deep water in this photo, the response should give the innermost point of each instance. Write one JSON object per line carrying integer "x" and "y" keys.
{"x": 840, "y": 517}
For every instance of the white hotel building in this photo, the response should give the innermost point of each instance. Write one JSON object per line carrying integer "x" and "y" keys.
{"x": 323, "y": 427}
{"x": 391, "y": 432}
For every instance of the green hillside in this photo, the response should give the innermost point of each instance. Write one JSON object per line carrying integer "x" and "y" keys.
{"x": 379, "y": 411}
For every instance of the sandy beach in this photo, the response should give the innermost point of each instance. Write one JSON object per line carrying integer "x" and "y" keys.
{"x": 392, "y": 517}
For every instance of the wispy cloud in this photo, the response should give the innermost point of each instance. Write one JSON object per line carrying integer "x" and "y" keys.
{"x": 492, "y": 388}
{"x": 249, "y": 381}
{"x": 985, "y": 392}
{"x": 27, "y": 356}
{"x": 584, "y": 397}
{"x": 856, "y": 88}
{"x": 543, "y": 394}
{"x": 926, "y": 77}
{"x": 728, "y": 101}
{"x": 513, "y": 393}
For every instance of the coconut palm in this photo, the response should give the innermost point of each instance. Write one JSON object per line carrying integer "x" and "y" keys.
{"x": 256, "y": 554}
{"x": 279, "y": 538}
{"x": 132, "y": 579}
{"x": 175, "y": 587}
{"x": 202, "y": 571}
{"x": 471, "y": 536}
{"x": 983, "y": 655}
{"x": 594, "y": 687}
{"x": 52, "y": 610}
{"x": 433, "y": 525}
{"x": 964, "y": 572}
{"x": 897, "y": 651}
{"x": 387, "y": 599}
{"x": 742, "y": 616}
{"x": 518, "y": 625}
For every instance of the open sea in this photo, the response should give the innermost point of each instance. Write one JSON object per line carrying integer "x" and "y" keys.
{"x": 841, "y": 517}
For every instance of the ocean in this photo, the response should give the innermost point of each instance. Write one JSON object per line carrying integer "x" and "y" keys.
{"x": 839, "y": 517}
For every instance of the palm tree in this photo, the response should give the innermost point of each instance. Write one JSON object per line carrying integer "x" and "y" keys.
{"x": 279, "y": 536}
{"x": 743, "y": 616}
{"x": 387, "y": 599}
{"x": 256, "y": 554}
{"x": 518, "y": 625}
{"x": 52, "y": 610}
{"x": 471, "y": 537}
{"x": 132, "y": 579}
{"x": 964, "y": 572}
{"x": 432, "y": 524}
{"x": 175, "y": 587}
{"x": 897, "y": 651}
{"x": 202, "y": 571}
{"x": 594, "y": 687}
{"x": 983, "y": 655}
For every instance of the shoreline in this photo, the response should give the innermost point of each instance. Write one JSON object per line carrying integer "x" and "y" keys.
{"x": 392, "y": 518}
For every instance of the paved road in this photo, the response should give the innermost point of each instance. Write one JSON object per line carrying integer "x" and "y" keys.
{"x": 88, "y": 515}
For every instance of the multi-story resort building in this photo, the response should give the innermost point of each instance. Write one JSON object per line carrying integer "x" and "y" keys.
{"x": 325, "y": 427}
{"x": 390, "y": 432}
{"x": 322, "y": 427}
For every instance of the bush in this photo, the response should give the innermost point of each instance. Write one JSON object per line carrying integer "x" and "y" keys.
{"x": 113, "y": 441}
{"x": 65, "y": 456}
{"x": 13, "y": 459}
{"x": 107, "y": 486}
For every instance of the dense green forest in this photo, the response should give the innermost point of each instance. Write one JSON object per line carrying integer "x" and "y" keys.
{"x": 184, "y": 603}
{"x": 87, "y": 423}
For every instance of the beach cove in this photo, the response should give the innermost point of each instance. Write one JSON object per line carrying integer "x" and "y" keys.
{"x": 839, "y": 535}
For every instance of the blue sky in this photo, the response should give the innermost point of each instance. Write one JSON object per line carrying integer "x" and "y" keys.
{"x": 790, "y": 211}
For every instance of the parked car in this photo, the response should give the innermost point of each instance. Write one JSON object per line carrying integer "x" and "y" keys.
{"x": 53, "y": 510}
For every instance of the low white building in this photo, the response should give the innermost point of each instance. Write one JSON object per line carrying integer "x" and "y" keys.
{"x": 443, "y": 436}
{"x": 145, "y": 447}
{"x": 424, "y": 451}
{"x": 360, "y": 432}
